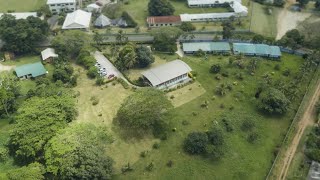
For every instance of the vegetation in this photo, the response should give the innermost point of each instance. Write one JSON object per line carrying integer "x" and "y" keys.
{"x": 165, "y": 38}
{"x": 29, "y": 172}
{"x": 21, "y": 36}
{"x": 160, "y": 8}
{"x": 196, "y": 143}
{"x": 130, "y": 21}
{"x": 187, "y": 27}
{"x": 274, "y": 101}
{"x": 144, "y": 57}
{"x": 9, "y": 92}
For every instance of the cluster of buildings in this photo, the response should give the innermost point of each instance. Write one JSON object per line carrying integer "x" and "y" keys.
{"x": 247, "y": 49}
{"x": 238, "y": 11}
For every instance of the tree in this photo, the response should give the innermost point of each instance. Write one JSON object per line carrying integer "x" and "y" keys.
{"x": 165, "y": 38}
{"x": 98, "y": 38}
{"x": 92, "y": 72}
{"x": 187, "y": 26}
{"x": 317, "y": 4}
{"x": 144, "y": 57}
{"x": 196, "y": 143}
{"x": 69, "y": 43}
{"x": 78, "y": 152}
{"x": 258, "y": 38}
{"x": 160, "y": 8}
{"x": 9, "y": 92}
{"x": 30, "y": 172}
{"x": 127, "y": 57}
{"x": 303, "y": 3}
{"x": 38, "y": 120}
{"x": 216, "y": 68}
{"x": 22, "y": 35}
{"x": 227, "y": 29}
{"x": 292, "y": 39}
{"x": 273, "y": 101}
{"x": 215, "y": 137}
{"x": 129, "y": 20}
{"x": 144, "y": 110}
{"x": 214, "y": 152}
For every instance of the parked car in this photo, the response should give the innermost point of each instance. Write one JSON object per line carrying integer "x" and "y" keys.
{"x": 111, "y": 76}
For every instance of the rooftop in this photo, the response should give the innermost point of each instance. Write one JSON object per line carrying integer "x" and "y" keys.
{"x": 163, "y": 19}
{"x": 166, "y": 72}
{"x": 60, "y": 1}
{"x": 190, "y": 17}
{"x": 206, "y": 46}
{"x": 78, "y": 19}
{"x": 35, "y": 69}
{"x": 47, "y": 53}
{"x": 102, "y": 21}
{"x": 260, "y": 49}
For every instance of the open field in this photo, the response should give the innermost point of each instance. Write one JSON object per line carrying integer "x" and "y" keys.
{"x": 20, "y": 5}
{"x": 242, "y": 160}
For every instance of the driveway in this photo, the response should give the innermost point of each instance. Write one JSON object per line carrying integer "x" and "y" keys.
{"x": 5, "y": 68}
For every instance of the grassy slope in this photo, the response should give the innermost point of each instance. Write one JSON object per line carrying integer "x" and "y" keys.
{"x": 261, "y": 22}
{"x": 20, "y": 6}
{"x": 242, "y": 160}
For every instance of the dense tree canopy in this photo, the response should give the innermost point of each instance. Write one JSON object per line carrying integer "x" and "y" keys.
{"x": 38, "y": 120}
{"x": 69, "y": 43}
{"x": 160, "y": 8}
{"x": 144, "y": 57}
{"x": 196, "y": 143}
{"x": 77, "y": 152}
{"x": 165, "y": 38}
{"x": 292, "y": 38}
{"x": 187, "y": 27}
{"x": 273, "y": 101}
{"x": 127, "y": 57}
{"x": 31, "y": 172}
{"x": 144, "y": 109}
{"x": 9, "y": 92}
{"x": 22, "y": 35}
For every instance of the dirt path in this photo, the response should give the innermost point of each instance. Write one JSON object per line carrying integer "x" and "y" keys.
{"x": 288, "y": 19}
{"x": 306, "y": 120}
{"x": 5, "y": 68}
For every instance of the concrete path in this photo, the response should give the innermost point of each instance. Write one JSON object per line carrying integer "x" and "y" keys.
{"x": 179, "y": 51}
{"x": 5, "y": 68}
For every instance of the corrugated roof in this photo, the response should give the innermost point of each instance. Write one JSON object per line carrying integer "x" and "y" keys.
{"x": 78, "y": 19}
{"x": 35, "y": 69}
{"x": 205, "y": 16}
{"x": 259, "y": 49}
{"x": 102, "y": 21}
{"x": 60, "y": 1}
{"x": 205, "y": 2}
{"x": 166, "y": 72}
{"x": 47, "y": 53}
{"x": 163, "y": 19}
{"x": 244, "y": 48}
{"x": 275, "y": 51}
{"x": 206, "y": 46}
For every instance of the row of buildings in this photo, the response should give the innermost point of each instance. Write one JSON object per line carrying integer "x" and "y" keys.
{"x": 246, "y": 49}
{"x": 59, "y": 6}
{"x": 238, "y": 11}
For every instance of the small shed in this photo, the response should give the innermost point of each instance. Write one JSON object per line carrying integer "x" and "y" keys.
{"x": 30, "y": 70}
{"x": 102, "y": 21}
{"x": 93, "y": 8}
{"x": 48, "y": 55}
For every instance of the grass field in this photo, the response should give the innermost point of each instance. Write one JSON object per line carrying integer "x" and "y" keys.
{"x": 261, "y": 22}
{"x": 21, "y": 5}
{"x": 242, "y": 160}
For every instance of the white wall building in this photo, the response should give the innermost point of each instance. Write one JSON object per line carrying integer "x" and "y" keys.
{"x": 58, "y": 6}
{"x": 77, "y": 20}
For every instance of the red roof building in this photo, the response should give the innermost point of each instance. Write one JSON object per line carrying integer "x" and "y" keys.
{"x": 158, "y": 21}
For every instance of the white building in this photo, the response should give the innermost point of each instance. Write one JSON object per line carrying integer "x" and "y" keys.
{"x": 168, "y": 75}
{"x": 58, "y": 6}
{"x": 206, "y": 17}
{"x": 77, "y": 20}
{"x": 48, "y": 55}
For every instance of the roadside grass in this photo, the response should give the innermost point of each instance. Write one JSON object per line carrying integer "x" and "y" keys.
{"x": 22, "y": 60}
{"x": 299, "y": 167}
{"x": 242, "y": 160}
{"x": 20, "y": 6}
{"x": 261, "y": 22}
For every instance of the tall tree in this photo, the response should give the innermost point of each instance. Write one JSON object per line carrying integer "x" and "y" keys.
{"x": 127, "y": 57}
{"x": 9, "y": 92}
{"x": 38, "y": 120}
{"x": 165, "y": 38}
{"x": 227, "y": 29}
{"x": 273, "y": 101}
{"x": 144, "y": 56}
{"x": 78, "y": 152}
{"x": 22, "y": 35}
{"x": 160, "y": 8}
{"x": 30, "y": 172}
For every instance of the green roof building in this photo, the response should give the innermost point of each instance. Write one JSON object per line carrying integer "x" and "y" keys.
{"x": 256, "y": 50}
{"x": 30, "y": 70}
{"x": 209, "y": 47}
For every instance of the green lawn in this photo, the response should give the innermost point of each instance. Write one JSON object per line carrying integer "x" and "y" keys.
{"x": 242, "y": 160}
{"x": 21, "y": 5}
{"x": 261, "y": 22}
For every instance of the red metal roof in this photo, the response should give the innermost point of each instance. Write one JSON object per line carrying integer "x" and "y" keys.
{"x": 163, "y": 19}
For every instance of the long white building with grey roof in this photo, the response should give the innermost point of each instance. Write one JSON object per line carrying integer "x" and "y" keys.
{"x": 58, "y": 6}
{"x": 168, "y": 75}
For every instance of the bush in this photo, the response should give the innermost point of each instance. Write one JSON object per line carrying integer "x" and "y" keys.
{"x": 123, "y": 83}
{"x": 150, "y": 167}
{"x": 227, "y": 125}
{"x": 247, "y": 125}
{"x": 273, "y": 101}
{"x": 215, "y": 137}
{"x": 100, "y": 81}
{"x": 94, "y": 100}
{"x": 156, "y": 146}
{"x": 196, "y": 143}
{"x": 187, "y": 26}
{"x": 200, "y": 53}
{"x": 216, "y": 68}
{"x": 144, "y": 154}
{"x": 170, "y": 163}
{"x": 4, "y": 154}
{"x": 214, "y": 152}
{"x": 129, "y": 20}
{"x": 252, "y": 137}
{"x": 92, "y": 72}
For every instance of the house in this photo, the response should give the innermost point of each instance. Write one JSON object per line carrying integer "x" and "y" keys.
{"x": 30, "y": 70}
{"x": 77, "y": 20}
{"x": 120, "y": 22}
{"x": 48, "y": 55}
{"x": 206, "y": 17}
{"x": 209, "y": 47}
{"x": 314, "y": 171}
{"x": 261, "y": 50}
{"x": 158, "y": 21}
{"x": 167, "y": 75}
{"x": 58, "y": 6}
{"x": 93, "y": 8}
{"x": 21, "y": 15}
{"x": 102, "y": 21}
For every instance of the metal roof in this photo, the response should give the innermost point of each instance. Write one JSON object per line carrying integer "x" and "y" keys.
{"x": 259, "y": 49}
{"x": 205, "y": 2}
{"x": 47, "y": 53}
{"x": 206, "y": 46}
{"x": 102, "y": 21}
{"x": 163, "y": 19}
{"x": 21, "y": 15}
{"x": 205, "y": 16}
{"x": 244, "y": 48}
{"x": 275, "y": 51}
{"x": 35, "y": 69}
{"x": 78, "y": 19}
{"x": 60, "y": 1}
{"x": 166, "y": 72}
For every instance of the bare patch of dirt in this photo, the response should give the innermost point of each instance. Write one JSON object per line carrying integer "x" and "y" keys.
{"x": 5, "y": 68}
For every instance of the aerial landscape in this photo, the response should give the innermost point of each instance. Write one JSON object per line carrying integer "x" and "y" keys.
{"x": 160, "y": 89}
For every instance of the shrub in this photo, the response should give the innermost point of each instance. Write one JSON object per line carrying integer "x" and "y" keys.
{"x": 277, "y": 67}
{"x": 200, "y": 53}
{"x": 4, "y": 154}
{"x": 187, "y": 26}
{"x": 156, "y": 146}
{"x": 216, "y": 68}
{"x": 227, "y": 125}
{"x": 150, "y": 167}
{"x": 144, "y": 154}
{"x": 123, "y": 83}
{"x": 214, "y": 152}
{"x": 215, "y": 137}
{"x": 100, "y": 81}
{"x": 170, "y": 163}
{"x": 273, "y": 101}
{"x": 252, "y": 137}
{"x": 247, "y": 125}
{"x": 94, "y": 100}
{"x": 196, "y": 143}
{"x": 92, "y": 72}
